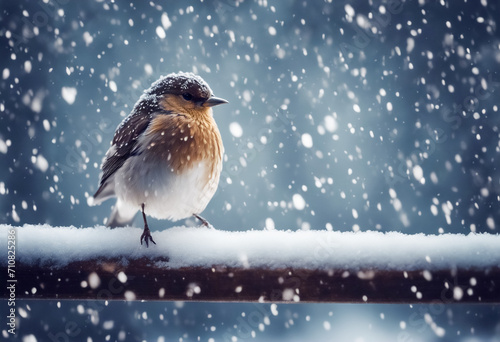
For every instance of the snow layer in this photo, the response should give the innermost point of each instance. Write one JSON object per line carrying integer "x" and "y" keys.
{"x": 57, "y": 246}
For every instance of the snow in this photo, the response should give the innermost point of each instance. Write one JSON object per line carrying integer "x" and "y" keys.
{"x": 349, "y": 10}
{"x": 87, "y": 37}
{"x": 204, "y": 247}
{"x": 298, "y": 202}
{"x": 331, "y": 124}
{"x": 3, "y": 147}
{"x": 307, "y": 140}
{"x": 15, "y": 215}
{"x": 160, "y": 32}
{"x": 113, "y": 86}
{"x": 418, "y": 173}
{"x": 270, "y": 224}
{"x": 27, "y": 66}
{"x": 46, "y": 125}
{"x": 69, "y": 94}
{"x": 165, "y": 21}
{"x": 41, "y": 163}
{"x": 236, "y": 129}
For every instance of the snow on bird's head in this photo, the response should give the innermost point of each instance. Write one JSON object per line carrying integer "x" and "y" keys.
{"x": 181, "y": 83}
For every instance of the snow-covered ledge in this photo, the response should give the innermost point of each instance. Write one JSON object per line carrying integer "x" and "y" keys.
{"x": 257, "y": 265}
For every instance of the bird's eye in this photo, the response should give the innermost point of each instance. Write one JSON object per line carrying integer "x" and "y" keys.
{"x": 187, "y": 96}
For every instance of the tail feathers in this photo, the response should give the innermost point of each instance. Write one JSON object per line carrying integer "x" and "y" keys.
{"x": 104, "y": 192}
{"x": 120, "y": 216}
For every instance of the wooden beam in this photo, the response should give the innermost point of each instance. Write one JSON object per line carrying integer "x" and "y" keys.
{"x": 144, "y": 279}
{"x": 202, "y": 264}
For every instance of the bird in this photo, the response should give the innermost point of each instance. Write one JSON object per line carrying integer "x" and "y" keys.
{"x": 165, "y": 158}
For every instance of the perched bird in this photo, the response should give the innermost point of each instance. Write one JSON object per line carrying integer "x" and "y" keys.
{"x": 166, "y": 155}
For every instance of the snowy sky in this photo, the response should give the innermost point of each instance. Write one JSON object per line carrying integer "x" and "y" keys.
{"x": 353, "y": 116}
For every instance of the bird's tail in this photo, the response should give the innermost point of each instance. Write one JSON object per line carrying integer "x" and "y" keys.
{"x": 121, "y": 215}
{"x": 105, "y": 191}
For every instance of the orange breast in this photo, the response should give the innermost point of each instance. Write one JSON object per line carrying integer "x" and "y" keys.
{"x": 183, "y": 142}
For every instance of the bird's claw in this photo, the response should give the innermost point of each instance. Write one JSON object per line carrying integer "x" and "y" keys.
{"x": 207, "y": 224}
{"x": 204, "y": 222}
{"x": 146, "y": 236}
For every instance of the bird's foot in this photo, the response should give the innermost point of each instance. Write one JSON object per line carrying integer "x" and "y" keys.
{"x": 146, "y": 236}
{"x": 204, "y": 222}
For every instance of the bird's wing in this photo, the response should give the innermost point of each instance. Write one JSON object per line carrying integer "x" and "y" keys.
{"x": 123, "y": 146}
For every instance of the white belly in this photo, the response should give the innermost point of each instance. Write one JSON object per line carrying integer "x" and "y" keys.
{"x": 166, "y": 194}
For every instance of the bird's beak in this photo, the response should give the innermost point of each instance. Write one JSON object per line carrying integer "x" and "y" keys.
{"x": 213, "y": 101}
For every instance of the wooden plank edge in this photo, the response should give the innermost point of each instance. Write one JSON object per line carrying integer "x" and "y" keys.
{"x": 142, "y": 279}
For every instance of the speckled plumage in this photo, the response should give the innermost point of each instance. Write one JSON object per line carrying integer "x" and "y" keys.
{"x": 166, "y": 155}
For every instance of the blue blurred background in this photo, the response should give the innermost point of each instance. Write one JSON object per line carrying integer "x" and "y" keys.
{"x": 381, "y": 115}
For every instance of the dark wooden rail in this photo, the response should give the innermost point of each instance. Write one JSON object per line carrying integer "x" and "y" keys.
{"x": 200, "y": 264}
{"x": 142, "y": 279}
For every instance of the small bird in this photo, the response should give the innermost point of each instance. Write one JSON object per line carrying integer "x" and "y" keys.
{"x": 166, "y": 155}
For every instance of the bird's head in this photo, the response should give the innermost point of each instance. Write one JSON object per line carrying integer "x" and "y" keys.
{"x": 184, "y": 93}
